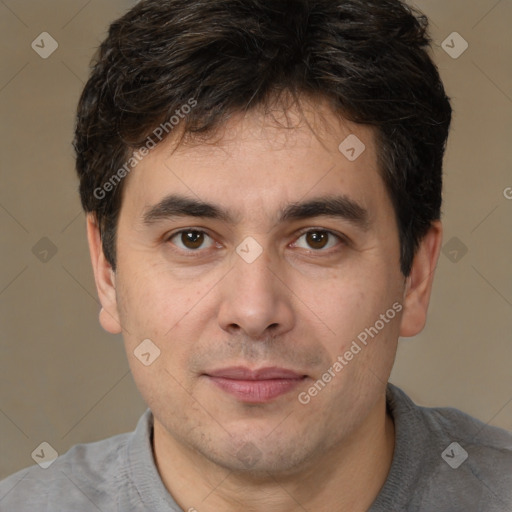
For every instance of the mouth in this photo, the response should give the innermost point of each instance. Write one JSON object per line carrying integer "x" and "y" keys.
{"x": 255, "y": 386}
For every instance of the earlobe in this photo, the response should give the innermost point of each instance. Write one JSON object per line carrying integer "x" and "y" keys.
{"x": 104, "y": 277}
{"x": 418, "y": 285}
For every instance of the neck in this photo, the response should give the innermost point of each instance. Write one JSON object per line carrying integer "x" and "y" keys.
{"x": 347, "y": 477}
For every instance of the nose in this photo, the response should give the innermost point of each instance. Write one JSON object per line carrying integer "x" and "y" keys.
{"x": 256, "y": 300}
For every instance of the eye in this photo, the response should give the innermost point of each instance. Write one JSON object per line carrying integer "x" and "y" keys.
{"x": 191, "y": 240}
{"x": 317, "y": 239}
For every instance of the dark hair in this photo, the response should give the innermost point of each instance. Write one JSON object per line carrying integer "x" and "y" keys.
{"x": 368, "y": 58}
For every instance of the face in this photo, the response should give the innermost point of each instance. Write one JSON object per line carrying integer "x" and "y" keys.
{"x": 264, "y": 267}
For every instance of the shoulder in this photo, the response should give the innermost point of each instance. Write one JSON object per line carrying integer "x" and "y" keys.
{"x": 487, "y": 447}
{"x": 462, "y": 460}
{"x": 449, "y": 423}
{"x": 485, "y": 450}
{"x": 81, "y": 478}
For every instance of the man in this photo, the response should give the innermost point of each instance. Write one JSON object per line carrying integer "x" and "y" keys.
{"x": 263, "y": 187}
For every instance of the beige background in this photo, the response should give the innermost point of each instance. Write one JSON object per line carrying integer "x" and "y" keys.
{"x": 65, "y": 381}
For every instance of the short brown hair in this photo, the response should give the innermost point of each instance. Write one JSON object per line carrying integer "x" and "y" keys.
{"x": 369, "y": 59}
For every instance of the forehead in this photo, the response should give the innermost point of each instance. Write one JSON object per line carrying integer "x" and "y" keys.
{"x": 261, "y": 161}
{"x": 310, "y": 125}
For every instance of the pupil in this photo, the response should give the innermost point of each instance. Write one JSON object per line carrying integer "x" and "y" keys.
{"x": 317, "y": 239}
{"x": 192, "y": 239}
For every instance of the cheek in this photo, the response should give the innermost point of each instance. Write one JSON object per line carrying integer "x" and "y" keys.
{"x": 153, "y": 302}
{"x": 351, "y": 301}
{"x": 172, "y": 313}
{"x": 154, "y": 309}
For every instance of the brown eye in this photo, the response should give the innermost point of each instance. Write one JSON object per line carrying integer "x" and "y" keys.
{"x": 317, "y": 239}
{"x": 191, "y": 239}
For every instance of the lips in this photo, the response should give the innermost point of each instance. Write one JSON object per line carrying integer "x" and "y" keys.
{"x": 242, "y": 373}
{"x": 255, "y": 386}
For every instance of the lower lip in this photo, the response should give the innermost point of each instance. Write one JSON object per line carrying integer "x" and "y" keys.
{"x": 256, "y": 391}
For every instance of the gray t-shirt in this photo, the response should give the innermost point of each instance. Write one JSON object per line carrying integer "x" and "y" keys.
{"x": 428, "y": 472}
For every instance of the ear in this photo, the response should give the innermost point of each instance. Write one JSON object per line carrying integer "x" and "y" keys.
{"x": 104, "y": 277}
{"x": 419, "y": 282}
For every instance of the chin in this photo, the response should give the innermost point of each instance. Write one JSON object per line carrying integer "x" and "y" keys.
{"x": 257, "y": 457}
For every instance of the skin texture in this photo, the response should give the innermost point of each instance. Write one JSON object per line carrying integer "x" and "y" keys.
{"x": 296, "y": 307}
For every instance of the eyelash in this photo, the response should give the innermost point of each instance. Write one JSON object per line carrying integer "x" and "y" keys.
{"x": 193, "y": 253}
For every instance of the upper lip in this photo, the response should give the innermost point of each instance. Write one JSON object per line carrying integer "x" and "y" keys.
{"x": 243, "y": 373}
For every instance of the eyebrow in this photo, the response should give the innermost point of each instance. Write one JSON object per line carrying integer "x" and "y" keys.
{"x": 341, "y": 207}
